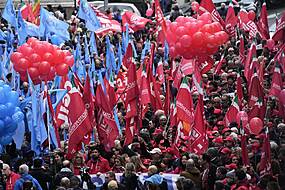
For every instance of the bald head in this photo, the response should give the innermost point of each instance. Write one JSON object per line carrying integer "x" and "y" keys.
{"x": 66, "y": 164}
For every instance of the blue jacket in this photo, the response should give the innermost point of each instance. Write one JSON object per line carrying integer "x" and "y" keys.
{"x": 26, "y": 177}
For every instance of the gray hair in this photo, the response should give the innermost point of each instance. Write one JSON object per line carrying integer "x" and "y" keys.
{"x": 24, "y": 169}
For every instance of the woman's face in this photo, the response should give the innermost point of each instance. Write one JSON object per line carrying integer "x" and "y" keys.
{"x": 235, "y": 160}
{"x": 127, "y": 159}
{"x": 78, "y": 160}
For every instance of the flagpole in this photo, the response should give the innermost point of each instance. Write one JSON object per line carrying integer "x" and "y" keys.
{"x": 48, "y": 123}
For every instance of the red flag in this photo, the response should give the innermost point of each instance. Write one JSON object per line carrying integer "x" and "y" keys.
{"x": 71, "y": 110}
{"x": 256, "y": 99}
{"x": 241, "y": 50}
{"x": 108, "y": 25}
{"x": 107, "y": 128}
{"x": 160, "y": 72}
{"x": 128, "y": 57}
{"x": 239, "y": 90}
{"x": 110, "y": 89}
{"x": 159, "y": 17}
{"x": 177, "y": 77}
{"x": 184, "y": 103}
{"x": 199, "y": 141}
{"x": 88, "y": 100}
{"x": 187, "y": 66}
{"x": 131, "y": 104}
{"x": 135, "y": 22}
{"x": 276, "y": 85}
{"x": 265, "y": 162}
{"x": 205, "y": 64}
{"x": 27, "y": 12}
{"x": 232, "y": 111}
{"x": 244, "y": 153}
{"x": 247, "y": 25}
{"x": 279, "y": 32}
{"x": 145, "y": 88}
{"x": 263, "y": 22}
{"x": 173, "y": 114}
{"x": 155, "y": 93}
{"x": 219, "y": 65}
{"x": 208, "y": 6}
{"x": 248, "y": 62}
{"x": 231, "y": 20}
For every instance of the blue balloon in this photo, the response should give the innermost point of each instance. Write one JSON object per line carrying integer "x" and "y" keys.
{"x": 18, "y": 117}
{"x": 18, "y": 109}
{"x": 4, "y": 140}
{"x": 2, "y": 127}
{"x": 10, "y": 108}
{"x": 7, "y": 89}
{"x": 11, "y": 127}
{"x": 8, "y": 120}
{"x": 3, "y": 112}
{"x": 13, "y": 97}
{"x": 2, "y": 95}
{"x": 2, "y": 83}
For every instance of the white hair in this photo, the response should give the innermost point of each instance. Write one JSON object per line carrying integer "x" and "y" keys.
{"x": 24, "y": 169}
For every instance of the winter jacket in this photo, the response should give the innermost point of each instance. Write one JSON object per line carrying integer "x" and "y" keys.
{"x": 27, "y": 177}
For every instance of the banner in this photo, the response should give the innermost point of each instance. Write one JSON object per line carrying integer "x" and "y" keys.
{"x": 99, "y": 180}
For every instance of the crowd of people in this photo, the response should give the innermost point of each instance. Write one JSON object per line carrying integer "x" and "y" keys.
{"x": 152, "y": 151}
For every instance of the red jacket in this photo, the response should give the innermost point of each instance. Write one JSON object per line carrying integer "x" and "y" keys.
{"x": 11, "y": 180}
{"x": 101, "y": 165}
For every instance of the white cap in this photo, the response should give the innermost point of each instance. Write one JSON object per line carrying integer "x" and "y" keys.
{"x": 155, "y": 151}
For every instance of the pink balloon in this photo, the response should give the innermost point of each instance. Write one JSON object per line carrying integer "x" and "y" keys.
{"x": 149, "y": 12}
{"x": 185, "y": 41}
{"x": 195, "y": 6}
{"x": 251, "y": 15}
{"x": 270, "y": 44}
{"x": 180, "y": 31}
{"x": 206, "y": 18}
{"x": 173, "y": 26}
{"x": 256, "y": 125}
{"x": 180, "y": 19}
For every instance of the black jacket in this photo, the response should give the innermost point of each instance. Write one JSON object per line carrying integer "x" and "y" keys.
{"x": 44, "y": 178}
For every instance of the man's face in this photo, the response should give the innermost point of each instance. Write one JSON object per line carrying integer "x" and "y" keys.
{"x": 95, "y": 154}
{"x": 6, "y": 171}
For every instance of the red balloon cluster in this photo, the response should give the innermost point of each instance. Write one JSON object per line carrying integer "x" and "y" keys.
{"x": 41, "y": 60}
{"x": 189, "y": 37}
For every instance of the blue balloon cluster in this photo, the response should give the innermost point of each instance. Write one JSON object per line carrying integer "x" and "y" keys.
{"x": 10, "y": 113}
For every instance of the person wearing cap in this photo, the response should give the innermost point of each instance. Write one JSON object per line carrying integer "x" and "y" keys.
{"x": 156, "y": 157}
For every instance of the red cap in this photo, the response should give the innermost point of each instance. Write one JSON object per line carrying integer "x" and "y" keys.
{"x": 225, "y": 130}
{"x": 217, "y": 111}
{"x": 231, "y": 166}
{"x": 218, "y": 140}
{"x": 215, "y": 128}
{"x": 220, "y": 123}
{"x": 229, "y": 138}
{"x": 242, "y": 188}
{"x": 226, "y": 150}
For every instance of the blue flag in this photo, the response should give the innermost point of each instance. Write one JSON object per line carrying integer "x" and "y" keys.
{"x": 56, "y": 96}
{"x": 2, "y": 35}
{"x": 86, "y": 51}
{"x": 9, "y": 13}
{"x": 120, "y": 58}
{"x": 166, "y": 51}
{"x": 22, "y": 31}
{"x": 86, "y": 13}
{"x": 125, "y": 39}
{"x": 50, "y": 24}
{"x": 38, "y": 129}
{"x": 134, "y": 49}
{"x": 93, "y": 45}
{"x": 145, "y": 50}
{"x": 110, "y": 58}
{"x": 32, "y": 29}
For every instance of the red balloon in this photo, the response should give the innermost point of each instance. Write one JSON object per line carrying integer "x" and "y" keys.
{"x": 172, "y": 52}
{"x": 58, "y": 57}
{"x": 198, "y": 39}
{"x": 62, "y": 69}
{"x": 16, "y": 56}
{"x": 189, "y": 19}
{"x": 149, "y": 12}
{"x": 282, "y": 96}
{"x": 185, "y": 41}
{"x": 170, "y": 38}
{"x": 178, "y": 48}
{"x": 200, "y": 24}
{"x": 216, "y": 27}
{"x": 33, "y": 72}
{"x": 180, "y": 19}
{"x": 195, "y": 6}
{"x": 26, "y": 50}
{"x": 192, "y": 28}
{"x": 206, "y": 18}
{"x": 34, "y": 58}
{"x": 251, "y": 15}
{"x": 211, "y": 41}
{"x": 270, "y": 44}
{"x": 173, "y": 26}
{"x": 69, "y": 60}
{"x": 66, "y": 53}
{"x": 23, "y": 64}
{"x": 40, "y": 49}
{"x": 48, "y": 57}
{"x": 44, "y": 68}
{"x": 256, "y": 125}
{"x": 51, "y": 74}
{"x": 206, "y": 28}
{"x": 32, "y": 40}
{"x": 180, "y": 31}
{"x": 36, "y": 64}
{"x": 24, "y": 76}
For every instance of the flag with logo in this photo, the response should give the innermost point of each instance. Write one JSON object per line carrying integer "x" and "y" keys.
{"x": 263, "y": 22}
{"x": 135, "y": 22}
{"x": 208, "y": 6}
